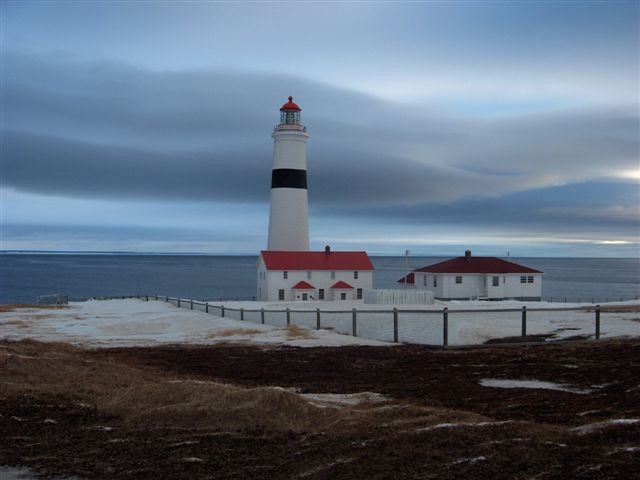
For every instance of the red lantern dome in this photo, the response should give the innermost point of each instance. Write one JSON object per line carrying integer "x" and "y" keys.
{"x": 290, "y": 105}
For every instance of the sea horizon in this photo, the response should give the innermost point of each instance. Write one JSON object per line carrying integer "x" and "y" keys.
{"x": 255, "y": 254}
{"x": 27, "y": 274}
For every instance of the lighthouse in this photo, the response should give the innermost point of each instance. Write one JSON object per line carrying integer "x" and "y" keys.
{"x": 287, "y": 270}
{"x": 288, "y": 217}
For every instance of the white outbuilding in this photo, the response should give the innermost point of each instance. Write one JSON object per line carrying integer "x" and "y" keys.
{"x": 489, "y": 278}
{"x": 325, "y": 275}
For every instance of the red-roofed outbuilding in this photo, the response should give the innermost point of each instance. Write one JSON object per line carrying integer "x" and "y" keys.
{"x": 477, "y": 277}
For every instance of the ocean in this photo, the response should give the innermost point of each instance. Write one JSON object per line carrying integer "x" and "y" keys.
{"x": 212, "y": 277}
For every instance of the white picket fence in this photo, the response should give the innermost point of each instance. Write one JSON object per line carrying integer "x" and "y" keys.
{"x": 398, "y": 297}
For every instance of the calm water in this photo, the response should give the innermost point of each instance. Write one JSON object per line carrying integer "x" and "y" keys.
{"x": 23, "y": 276}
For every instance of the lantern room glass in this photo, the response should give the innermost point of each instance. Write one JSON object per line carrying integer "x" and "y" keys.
{"x": 290, "y": 117}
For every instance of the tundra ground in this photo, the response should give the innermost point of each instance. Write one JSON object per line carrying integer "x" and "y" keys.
{"x": 253, "y": 412}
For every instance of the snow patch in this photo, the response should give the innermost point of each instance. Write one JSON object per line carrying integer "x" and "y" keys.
{"x": 463, "y": 424}
{"x": 342, "y": 399}
{"x": 535, "y": 384}
{"x": 592, "y": 427}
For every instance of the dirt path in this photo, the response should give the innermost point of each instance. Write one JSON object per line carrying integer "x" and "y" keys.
{"x": 439, "y": 421}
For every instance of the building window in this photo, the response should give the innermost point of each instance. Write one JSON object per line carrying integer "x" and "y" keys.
{"x": 424, "y": 280}
{"x": 435, "y": 281}
{"x": 285, "y": 275}
{"x": 495, "y": 281}
{"x": 504, "y": 279}
{"x": 321, "y": 294}
{"x": 308, "y": 275}
{"x": 343, "y": 296}
{"x": 523, "y": 279}
{"x": 333, "y": 275}
{"x": 530, "y": 279}
{"x": 281, "y": 294}
{"x": 304, "y": 296}
{"x": 458, "y": 279}
{"x": 359, "y": 294}
{"x": 355, "y": 275}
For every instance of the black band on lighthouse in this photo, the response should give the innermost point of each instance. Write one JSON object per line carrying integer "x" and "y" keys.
{"x": 288, "y": 178}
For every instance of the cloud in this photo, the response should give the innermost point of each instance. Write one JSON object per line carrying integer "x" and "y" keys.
{"x": 630, "y": 213}
{"x": 108, "y": 130}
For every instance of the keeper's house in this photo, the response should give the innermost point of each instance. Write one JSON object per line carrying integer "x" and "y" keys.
{"x": 300, "y": 275}
{"x": 487, "y": 278}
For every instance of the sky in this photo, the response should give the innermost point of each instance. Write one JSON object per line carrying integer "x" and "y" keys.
{"x": 434, "y": 127}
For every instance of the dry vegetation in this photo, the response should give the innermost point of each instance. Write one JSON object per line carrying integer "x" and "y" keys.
{"x": 620, "y": 308}
{"x": 144, "y": 395}
{"x": 294, "y": 331}
{"x": 230, "y": 332}
{"x": 10, "y": 307}
{"x": 222, "y": 412}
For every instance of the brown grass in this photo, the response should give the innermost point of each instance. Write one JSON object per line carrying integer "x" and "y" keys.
{"x": 16, "y": 322}
{"x": 619, "y": 308}
{"x": 144, "y": 395}
{"x": 230, "y": 332}
{"x": 11, "y": 307}
{"x": 294, "y": 331}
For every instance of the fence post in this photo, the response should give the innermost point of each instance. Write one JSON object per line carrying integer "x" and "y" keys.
{"x": 242, "y": 314}
{"x": 317, "y": 319}
{"x": 395, "y": 325}
{"x": 178, "y": 302}
{"x": 262, "y": 316}
{"x": 288, "y": 317}
{"x": 166, "y": 299}
{"x": 597, "y": 322}
{"x": 524, "y": 321}
{"x": 445, "y": 327}
{"x": 354, "y": 323}
{"x": 222, "y": 310}
{"x": 206, "y": 307}
{"x": 191, "y": 304}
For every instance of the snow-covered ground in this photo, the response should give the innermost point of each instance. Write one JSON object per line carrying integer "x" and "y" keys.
{"x": 136, "y": 322}
{"x": 469, "y": 322}
{"x": 110, "y": 323}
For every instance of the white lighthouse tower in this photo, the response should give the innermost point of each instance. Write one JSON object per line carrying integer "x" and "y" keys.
{"x": 288, "y": 218}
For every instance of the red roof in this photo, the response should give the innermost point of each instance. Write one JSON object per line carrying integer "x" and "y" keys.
{"x": 290, "y": 105}
{"x": 341, "y": 284}
{"x": 302, "y": 285}
{"x": 410, "y": 279}
{"x": 279, "y": 260}
{"x": 476, "y": 265}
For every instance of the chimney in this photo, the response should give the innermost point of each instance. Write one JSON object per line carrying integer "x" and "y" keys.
{"x": 327, "y": 249}
{"x": 467, "y": 255}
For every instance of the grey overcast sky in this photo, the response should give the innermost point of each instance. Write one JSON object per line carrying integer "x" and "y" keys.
{"x": 434, "y": 126}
